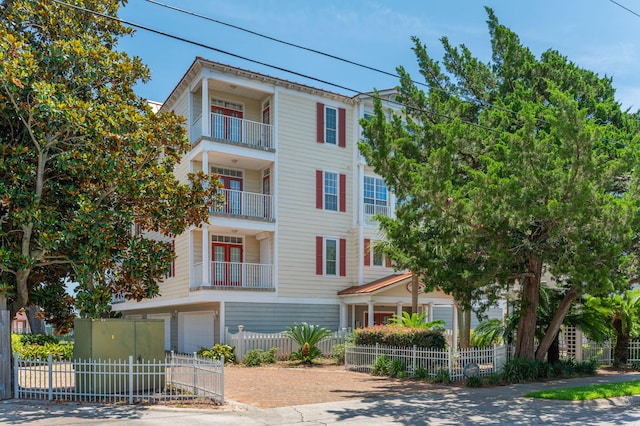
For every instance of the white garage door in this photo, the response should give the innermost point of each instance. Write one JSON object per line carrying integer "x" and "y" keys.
{"x": 196, "y": 330}
{"x": 167, "y": 328}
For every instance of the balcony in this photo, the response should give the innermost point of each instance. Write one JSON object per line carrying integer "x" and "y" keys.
{"x": 238, "y": 276}
{"x": 245, "y": 204}
{"x": 371, "y": 210}
{"x": 236, "y": 131}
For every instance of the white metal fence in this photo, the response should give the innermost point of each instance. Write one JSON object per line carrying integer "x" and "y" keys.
{"x": 483, "y": 361}
{"x": 177, "y": 377}
{"x": 244, "y": 341}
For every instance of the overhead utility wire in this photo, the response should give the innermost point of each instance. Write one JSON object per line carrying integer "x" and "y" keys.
{"x": 625, "y": 8}
{"x": 205, "y": 46}
{"x": 319, "y": 52}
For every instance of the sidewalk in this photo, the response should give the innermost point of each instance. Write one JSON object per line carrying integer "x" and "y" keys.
{"x": 500, "y": 405}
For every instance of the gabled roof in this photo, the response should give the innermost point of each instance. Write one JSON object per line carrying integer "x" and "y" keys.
{"x": 379, "y": 284}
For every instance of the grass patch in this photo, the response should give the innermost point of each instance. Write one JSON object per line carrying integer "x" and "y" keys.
{"x": 585, "y": 393}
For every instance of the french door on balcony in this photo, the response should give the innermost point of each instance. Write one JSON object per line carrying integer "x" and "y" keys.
{"x": 227, "y": 124}
{"x": 227, "y": 264}
{"x": 233, "y": 197}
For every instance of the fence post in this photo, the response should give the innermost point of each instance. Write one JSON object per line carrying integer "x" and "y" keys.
{"x": 415, "y": 348}
{"x": 450, "y": 363}
{"x": 130, "y": 379}
{"x": 50, "y": 371}
{"x": 221, "y": 377}
{"x": 16, "y": 378}
{"x": 377, "y": 350}
{"x": 195, "y": 372}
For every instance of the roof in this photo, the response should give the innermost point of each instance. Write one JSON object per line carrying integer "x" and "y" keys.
{"x": 379, "y": 284}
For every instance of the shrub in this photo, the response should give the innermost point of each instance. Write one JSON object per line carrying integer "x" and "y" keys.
{"x": 395, "y": 367}
{"x": 518, "y": 370}
{"x": 421, "y": 373}
{"x": 256, "y": 357}
{"x": 442, "y": 376}
{"x": 379, "y": 367}
{"x": 337, "y": 353}
{"x": 41, "y": 352}
{"x": 37, "y": 339}
{"x": 307, "y": 336}
{"x": 494, "y": 379}
{"x": 16, "y": 343}
{"x": 400, "y": 336}
{"x": 473, "y": 382}
{"x": 218, "y": 350}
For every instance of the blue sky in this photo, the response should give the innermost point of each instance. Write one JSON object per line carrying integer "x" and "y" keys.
{"x": 595, "y": 34}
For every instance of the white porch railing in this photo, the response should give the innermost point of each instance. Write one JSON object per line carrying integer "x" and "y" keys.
{"x": 239, "y": 130}
{"x": 372, "y": 209}
{"x": 177, "y": 377}
{"x": 241, "y": 275}
{"x": 242, "y": 203}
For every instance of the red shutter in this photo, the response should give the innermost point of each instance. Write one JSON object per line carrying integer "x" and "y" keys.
{"x": 319, "y": 194}
{"x": 342, "y": 127}
{"x": 343, "y": 193}
{"x": 367, "y": 252}
{"x": 320, "y": 122}
{"x": 343, "y": 257}
{"x": 387, "y": 262}
{"x": 319, "y": 261}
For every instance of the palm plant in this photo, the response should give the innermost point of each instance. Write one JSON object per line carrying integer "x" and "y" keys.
{"x": 416, "y": 321}
{"x": 307, "y": 336}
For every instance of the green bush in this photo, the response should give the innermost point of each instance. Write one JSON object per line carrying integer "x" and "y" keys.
{"x": 494, "y": 379}
{"x": 38, "y": 339}
{"x": 395, "y": 368}
{"x": 421, "y": 373}
{"x": 442, "y": 376}
{"x": 473, "y": 382}
{"x": 256, "y": 357}
{"x": 218, "y": 350}
{"x": 41, "y": 352}
{"x": 400, "y": 336}
{"x": 518, "y": 370}
{"x": 307, "y": 336}
{"x": 379, "y": 367}
{"x": 16, "y": 343}
{"x": 337, "y": 353}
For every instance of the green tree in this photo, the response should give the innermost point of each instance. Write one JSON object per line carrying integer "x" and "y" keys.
{"x": 307, "y": 336}
{"x": 84, "y": 158}
{"x": 622, "y": 314}
{"x": 510, "y": 168}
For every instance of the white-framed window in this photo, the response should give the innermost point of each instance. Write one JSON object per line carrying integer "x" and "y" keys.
{"x": 330, "y": 125}
{"x": 375, "y": 191}
{"x": 330, "y": 191}
{"x": 330, "y": 256}
{"x": 377, "y": 256}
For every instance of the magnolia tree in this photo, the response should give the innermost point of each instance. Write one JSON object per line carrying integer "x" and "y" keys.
{"x": 507, "y": 169}
{"x": 83, "y": 159}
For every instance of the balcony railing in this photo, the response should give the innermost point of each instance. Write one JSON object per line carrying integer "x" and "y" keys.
{"x": 241, "y": 131}
{"x": 241, "y": 275}
{"x": 373, "y": 209}
{"x": 248, "y": 204}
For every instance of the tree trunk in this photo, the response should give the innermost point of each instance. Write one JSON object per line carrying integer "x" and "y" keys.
{"x": 35, "y": 324}
{"x": 464, "y": 326}
{"x": 552, "y": 331}
{"x": 553, "y": 354}
{"x": 415, "y": 282}
{"x": 6, "y": 372}
{"x": 621, "y": 350}
{"x": 528, "y": 309}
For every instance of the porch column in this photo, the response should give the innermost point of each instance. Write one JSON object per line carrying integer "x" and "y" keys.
{"x": 343, "y": 316}
{"x": 399, "y": 309}
{"x": 370, "y": 320}
{"x": 206, "y": 114}
{"x": 206, "y": 256}
{"x": 454, "y": 334}
{"x": 430, "y": 314}
{"x": 221, "y": 324}
{"x": 353, "y": 317}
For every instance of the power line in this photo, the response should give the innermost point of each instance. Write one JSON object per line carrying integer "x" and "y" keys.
{"x": 215, "y": 49}
{"x": 319, "y": 52}
{"x": 625, "y": 8}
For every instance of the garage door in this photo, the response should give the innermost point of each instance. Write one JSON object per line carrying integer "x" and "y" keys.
{"x": 196, "y": 330}
{"x": 167, "y": 328}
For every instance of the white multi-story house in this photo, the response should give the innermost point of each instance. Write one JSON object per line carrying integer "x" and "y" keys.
{"x": 293, "y": 240}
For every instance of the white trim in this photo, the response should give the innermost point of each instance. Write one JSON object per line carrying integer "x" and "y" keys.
{"x": 337, "y": 129}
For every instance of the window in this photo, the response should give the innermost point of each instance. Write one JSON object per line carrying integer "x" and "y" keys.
{"x": 375, "y": 196}
{"x": 374, "y": 256}
{"x": 378, "y": 257}
{"x": 331, "y": 256}
{"x": 331, "y": 191}
{"x": 331, "y": 125}
{"x": 171, "y": 272}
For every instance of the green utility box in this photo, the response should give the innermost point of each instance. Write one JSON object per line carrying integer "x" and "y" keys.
{"x": 101, "y": 355}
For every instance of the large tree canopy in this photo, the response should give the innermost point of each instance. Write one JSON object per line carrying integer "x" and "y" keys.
{"x": 507, "y": 169}
{"x": 83, "y": 159}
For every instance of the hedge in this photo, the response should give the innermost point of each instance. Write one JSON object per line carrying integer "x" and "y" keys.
{"x": 404, "y": 337}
